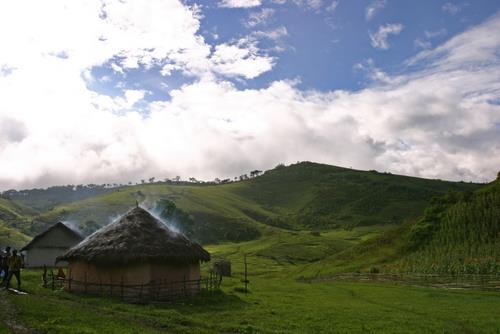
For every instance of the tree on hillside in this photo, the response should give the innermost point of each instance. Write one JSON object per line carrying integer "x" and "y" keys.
{"x": 255, "y": 173}
{"x": 151, "y": 179}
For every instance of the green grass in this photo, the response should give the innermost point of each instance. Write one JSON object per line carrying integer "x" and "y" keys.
{"x": 277, "y": 303}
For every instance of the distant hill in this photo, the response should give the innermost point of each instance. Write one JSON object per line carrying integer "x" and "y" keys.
{"x": 43, "y": 199}
{"x": 303, "y": 196}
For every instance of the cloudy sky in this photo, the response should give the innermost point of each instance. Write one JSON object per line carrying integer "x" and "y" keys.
{"x": 116, "y": 91}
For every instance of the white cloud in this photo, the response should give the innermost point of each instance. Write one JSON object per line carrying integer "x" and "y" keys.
{"x": 373, "y": 73}
{"x": 379, "y": 39}
{"x": 240, "y": 3}
{"x": 275, "y": 34}
{"x": 333, "y": 6}
{"x": 55, "y": 130}
{"x": 309, "y": 4}
{"x": 422, "y": 43}
{"x": 373, "y": 8}
{"x": 240, "y": 59}
{"x": 259, "y": 18}
{"x": 451, "y": 8}
{"x": 435, "y": 33}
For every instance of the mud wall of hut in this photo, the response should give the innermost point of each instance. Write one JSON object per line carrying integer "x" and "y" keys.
{"x": 147, "y": 280}
{"x": 39, "y": 257}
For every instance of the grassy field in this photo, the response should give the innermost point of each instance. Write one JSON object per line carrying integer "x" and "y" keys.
{"x": 275, "y": 304}
{"x": 277, "y": 301}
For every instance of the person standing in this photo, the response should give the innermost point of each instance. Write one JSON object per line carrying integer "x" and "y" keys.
{"x": 15, "y": 263}
{"x": 4, "y": 257}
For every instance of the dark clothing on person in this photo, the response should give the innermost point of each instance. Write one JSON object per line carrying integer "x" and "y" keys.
{"x": 15, "y": 263}
{"x": 16, "y": 273}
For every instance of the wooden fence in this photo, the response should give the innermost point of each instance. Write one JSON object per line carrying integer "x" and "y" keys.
{"x": 464, "y": 282}
{"x": 157, "y": 291}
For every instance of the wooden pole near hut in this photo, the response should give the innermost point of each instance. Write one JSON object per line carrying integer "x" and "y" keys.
{"x": 69, "y": 280}
{"x": 246, "y": 275}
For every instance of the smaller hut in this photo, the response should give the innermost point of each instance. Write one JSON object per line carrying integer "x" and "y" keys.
{"x": 136, "y": 256}
{"x": 43, "y": 249}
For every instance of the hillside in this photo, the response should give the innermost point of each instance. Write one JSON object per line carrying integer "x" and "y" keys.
{"x": 44, "y": 199}
{"x": 14, "y": 223}
{"x": 303, "y": 196}
{"x": 459, "y": 233}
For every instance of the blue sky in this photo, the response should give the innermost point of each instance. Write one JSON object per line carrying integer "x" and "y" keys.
{"x": 323, "y": 47}
{"x": 107, "y": 91}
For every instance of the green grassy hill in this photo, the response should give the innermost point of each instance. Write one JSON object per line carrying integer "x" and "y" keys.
{"x": 459, "y": 233}
{"x": 14, "y": 223}
{"x": 304, "y": 196}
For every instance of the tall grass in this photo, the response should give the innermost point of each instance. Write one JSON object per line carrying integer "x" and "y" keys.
{"x": 459, "y": 234}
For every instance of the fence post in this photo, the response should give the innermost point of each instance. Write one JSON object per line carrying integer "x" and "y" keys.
{"x": 52, "y": 276}
{"x": 246, "y": 275}
{"x": 69, "y": 280}
{"x": 121, "y": 287}
{"x": 44, "y": 276}
{"x": 184, "y": 286}
{"x": 85, "y": 283}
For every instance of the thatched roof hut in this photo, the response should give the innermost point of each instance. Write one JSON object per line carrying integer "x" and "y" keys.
{"x": 44, "y": 248}
{"x": 135, "y": 249}
{"x": 137, "y": 237}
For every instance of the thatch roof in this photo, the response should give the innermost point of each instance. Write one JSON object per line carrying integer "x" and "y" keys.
{"x": 72, "y": 233}
{"x": 137, "y": 237}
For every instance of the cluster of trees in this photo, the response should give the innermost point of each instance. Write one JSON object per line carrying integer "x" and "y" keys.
{"x": 177, "y": 179}
{"x": 204, "y": 227}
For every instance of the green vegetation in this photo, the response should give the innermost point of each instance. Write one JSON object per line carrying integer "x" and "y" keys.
{"x": 14, "y": 223}
{"x": 304, "y": 196}
{"x": 43, "y": 199}
{"x": 459, "y": 234}
{"x": 293, "y": 223}
{"x": 276, "y": 303}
